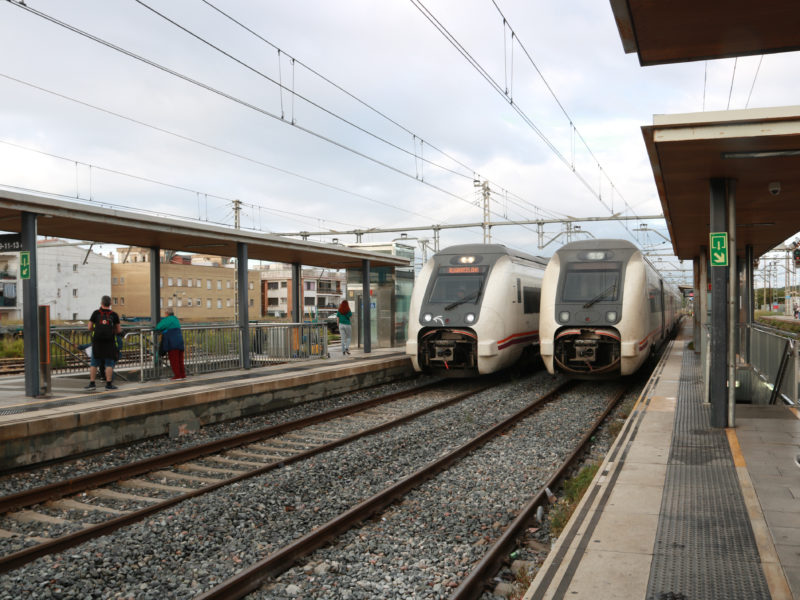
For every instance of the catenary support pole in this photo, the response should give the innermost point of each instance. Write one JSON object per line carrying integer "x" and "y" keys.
{"x": 30, "y": 305}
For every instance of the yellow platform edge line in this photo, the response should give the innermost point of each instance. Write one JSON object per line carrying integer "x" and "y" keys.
{"x": 770, "y": 562}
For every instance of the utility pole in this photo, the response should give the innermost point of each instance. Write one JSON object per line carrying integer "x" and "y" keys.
{"x": 237, "y": 209}
{"x": 487, "y": 216}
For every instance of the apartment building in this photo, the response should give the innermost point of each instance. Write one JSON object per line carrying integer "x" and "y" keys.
{"x": 323, "y": 290}
{"x": 198, "y": 288}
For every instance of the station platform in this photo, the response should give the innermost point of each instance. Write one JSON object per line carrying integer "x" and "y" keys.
{"x": 681, "y": 511}
{"x": 72, "y": 421}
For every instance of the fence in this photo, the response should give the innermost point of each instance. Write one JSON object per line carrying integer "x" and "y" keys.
{"x": 773, "y": 356}
{"x": 208, "y": 348}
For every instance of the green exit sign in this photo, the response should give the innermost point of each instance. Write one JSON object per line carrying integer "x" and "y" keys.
{"x": 24, "y": 265}
{"x": 719, "y": 249}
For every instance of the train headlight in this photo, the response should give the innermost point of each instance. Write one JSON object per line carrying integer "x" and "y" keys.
{"x": 427, "y": 317}
{"x": 563, "y": 316}
{"x": 611, "y": 316}
{"x": 470, "y": 318}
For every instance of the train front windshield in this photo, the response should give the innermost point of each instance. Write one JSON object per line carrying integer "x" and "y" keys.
{"x": 460, "y": 287}
{"x": 591, "y": 284}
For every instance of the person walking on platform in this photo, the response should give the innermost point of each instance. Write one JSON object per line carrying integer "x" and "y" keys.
{"x": 345, "y": 328}
{"x": 105, "y": 326}
{"x": 172, "y": 342}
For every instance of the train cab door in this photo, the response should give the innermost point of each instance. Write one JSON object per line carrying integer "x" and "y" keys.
{"x": 663, "y": 310}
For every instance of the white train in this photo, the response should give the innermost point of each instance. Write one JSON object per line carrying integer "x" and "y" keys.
{"x": 605, "y": 309}
{"x": 474, "y": 310}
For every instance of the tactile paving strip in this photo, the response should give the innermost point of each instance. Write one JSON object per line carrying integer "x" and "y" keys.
{"x": 704, "y": 546}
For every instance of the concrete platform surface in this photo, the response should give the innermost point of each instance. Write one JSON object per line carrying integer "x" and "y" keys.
{"x": 72, "y": 420}
{"x": 618, "y": 543}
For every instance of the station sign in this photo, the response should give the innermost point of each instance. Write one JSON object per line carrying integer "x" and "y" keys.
{"x": 11, "y": 242}
{"x": 719, "y": 249}
{"x": 25, "y": 265}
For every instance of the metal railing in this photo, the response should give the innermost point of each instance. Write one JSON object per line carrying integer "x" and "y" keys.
{"x": 208, "y": 348}
{"x": 774, "y": 362}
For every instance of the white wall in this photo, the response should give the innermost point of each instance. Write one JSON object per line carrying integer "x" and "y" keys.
{"x": 71, "y": 288}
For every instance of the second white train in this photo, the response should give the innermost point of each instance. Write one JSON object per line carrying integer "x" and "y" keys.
{"x": 604, "y": 309}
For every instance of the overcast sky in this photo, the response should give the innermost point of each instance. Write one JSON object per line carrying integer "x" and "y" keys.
{"x": 340, "y": 147}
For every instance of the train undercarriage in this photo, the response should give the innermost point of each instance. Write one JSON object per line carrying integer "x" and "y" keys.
{"x": 448, "y": 351}
{"x": 592, "y": 352}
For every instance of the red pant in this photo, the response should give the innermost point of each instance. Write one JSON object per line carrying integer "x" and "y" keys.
{"x": 176, "y": 362}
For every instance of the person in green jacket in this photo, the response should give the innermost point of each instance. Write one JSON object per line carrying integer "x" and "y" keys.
{"x": 172, "y": 342}
{"x": 345, "y": 328}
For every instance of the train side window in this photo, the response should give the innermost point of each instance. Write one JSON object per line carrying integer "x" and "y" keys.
{"x": 532, "y": 298}
{"x": 519, "y": 291}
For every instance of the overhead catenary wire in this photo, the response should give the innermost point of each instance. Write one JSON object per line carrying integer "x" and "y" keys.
{"x": 197, "y": 193}
{"x": 499, "y": 89}
{"x": 208, "y": 145}
{"x": 418, "y": 156}
{"x": 228, "y": 96}
{"x": 573, "y": 128}
{"x": 758, "y": 68}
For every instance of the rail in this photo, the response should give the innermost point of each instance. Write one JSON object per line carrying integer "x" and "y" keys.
{"x": 208, "y": 348}
{"x": 774, "y": 363}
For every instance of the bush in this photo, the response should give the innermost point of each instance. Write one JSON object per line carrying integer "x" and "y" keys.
{"x": 574, "y": 489}
{"x": 12, "y": 347}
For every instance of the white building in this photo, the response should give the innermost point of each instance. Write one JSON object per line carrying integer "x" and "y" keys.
{"x": 71, "y": 279}
{"x": 10, "y": 287}
{"x": 322, "y": 291}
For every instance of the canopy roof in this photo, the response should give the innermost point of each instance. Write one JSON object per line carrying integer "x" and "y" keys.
{"x": 96, "y": 223}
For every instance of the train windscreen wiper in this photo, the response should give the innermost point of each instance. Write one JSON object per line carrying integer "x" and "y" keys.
{"x": 466, "y": 298}
{"x": 612, "y": 288}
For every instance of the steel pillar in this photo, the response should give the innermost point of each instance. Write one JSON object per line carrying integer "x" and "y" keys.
{"x": 155, "y": 285}
{"x": 749, "y": 297}
{"x": 733, "y": 294}
{"x": 702, "y": 308}
{"x": 365, "y": 309}
{"x": 30, "y": 307}
{"x": 718, "y": 395}
{"x": 297, "y": 294}
{"x": 696, "y": 327}
{"x": 244, "y": 314}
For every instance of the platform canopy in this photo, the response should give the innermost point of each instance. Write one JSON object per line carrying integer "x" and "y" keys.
{"x": 670, "y": 31}
{"x": 101, "y": 224}
{"x": 758, "y": 148}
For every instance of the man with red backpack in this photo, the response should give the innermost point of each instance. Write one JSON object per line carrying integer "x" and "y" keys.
{"x": 104, "y": 325}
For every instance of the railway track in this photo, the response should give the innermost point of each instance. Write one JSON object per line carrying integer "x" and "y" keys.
{"x": 194, "y": 546}
{"x": 262, "y": 573}
{"x": 12, "y": 366}
{"x": 123, "y": 495}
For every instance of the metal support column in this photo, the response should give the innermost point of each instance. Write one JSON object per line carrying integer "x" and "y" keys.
{"x": 30, "y": 306}
{"x": 696, "y": 329}
{"x": 155, "y": 285}
{"x": 244, "y": 316}
{"x": 733, "y": 294}
{"x": 365, "y": 310}
{"x": 702, "y": 307}
{"x": 749, "y": 299}
{"x": 719, "y": 318}
{"x": 297, "y": 294}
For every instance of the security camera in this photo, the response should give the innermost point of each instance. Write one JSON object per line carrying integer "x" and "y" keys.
{"x": 774, "y": 188}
